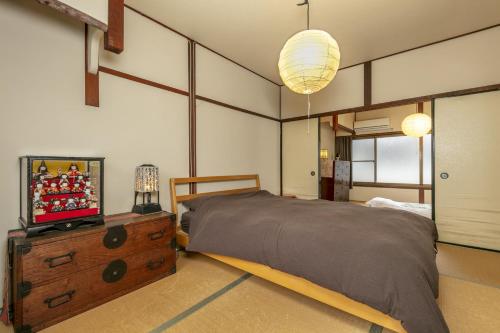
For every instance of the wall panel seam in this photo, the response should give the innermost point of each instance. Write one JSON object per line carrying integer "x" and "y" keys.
{"x": 200, "y": 44}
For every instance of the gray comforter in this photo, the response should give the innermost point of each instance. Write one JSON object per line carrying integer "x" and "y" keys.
{"x": 382, "y": 257}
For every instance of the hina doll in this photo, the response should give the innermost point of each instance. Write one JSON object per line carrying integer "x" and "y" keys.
{"x": 79, "y": 179}
{"x": 43, "y": 181}
{"x": 83, "y": 203}
{"x": 64, "y": 178}
{"x": 65, "y": 188}
{"x": 40, "y": 190}
{"x": 71, "y": 204}
{"x": 42, "y": 171}
{"x": 88, "y": 185}
{"x": 57, "y": 207}
{"x": 38, "y": 204}
{"x": 77, "y": 188}
{"x": 53, "y": 188}
{"x": 73, "y": 171}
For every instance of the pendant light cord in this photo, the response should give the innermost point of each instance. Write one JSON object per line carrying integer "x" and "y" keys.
{"x": 306, "y": 2}
{"x": 308, "y": 113}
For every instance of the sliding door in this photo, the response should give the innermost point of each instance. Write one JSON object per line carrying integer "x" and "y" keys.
{"x": 467, "y": 169}
{"x": 300, "y": 158}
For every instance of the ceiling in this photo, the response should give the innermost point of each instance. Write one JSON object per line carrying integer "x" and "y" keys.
{"x": 252, "y": 32}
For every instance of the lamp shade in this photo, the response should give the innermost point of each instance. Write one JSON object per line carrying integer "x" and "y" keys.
{"x": 416, "y": 125}
{"x": 146, "y": 178}
{"x": 309, "y": 61}
{"x": 323, "y": 153}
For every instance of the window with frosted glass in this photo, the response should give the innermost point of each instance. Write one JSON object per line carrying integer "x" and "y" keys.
{"x": 363, "y": 150}
{"x": 398, "y": 160}
{"x": 363, "y": 160}
{"x": 427, "y": 159}
{"x": 363, "y": 171}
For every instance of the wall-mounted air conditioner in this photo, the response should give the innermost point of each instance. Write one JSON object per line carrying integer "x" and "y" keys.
{"x": 372, "y": 125}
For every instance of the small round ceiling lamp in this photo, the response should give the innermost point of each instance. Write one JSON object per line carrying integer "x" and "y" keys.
{"x": 309, "y": 60}
{"x": 416, "y": 125}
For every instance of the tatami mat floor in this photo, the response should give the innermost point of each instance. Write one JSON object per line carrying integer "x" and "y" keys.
{"x": 207, "y": 296}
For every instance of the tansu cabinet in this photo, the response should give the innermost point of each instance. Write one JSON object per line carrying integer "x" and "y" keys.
{"x": 57, "y": 276}
{"x": 335, "y": 180}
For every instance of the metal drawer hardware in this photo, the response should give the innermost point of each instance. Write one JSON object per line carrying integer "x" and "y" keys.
{"x": 157, "y": 235}
{"x": 152, "y": 265}
{"x": 115, "y": 271}
{"x": 115, "y": 237}
{"x": 57, "y": 261}
{"x": 52, "y": 302}
{"x": 444, "y": 175}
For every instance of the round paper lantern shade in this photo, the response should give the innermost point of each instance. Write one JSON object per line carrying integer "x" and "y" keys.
{"x": 416, "y": 125}
{"x": 309, "y": 61}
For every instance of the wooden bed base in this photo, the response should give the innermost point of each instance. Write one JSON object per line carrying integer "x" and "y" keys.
{"x": 295, "y": 283}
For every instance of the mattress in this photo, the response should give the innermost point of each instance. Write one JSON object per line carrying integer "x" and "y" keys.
{"x": 424, "y": 210}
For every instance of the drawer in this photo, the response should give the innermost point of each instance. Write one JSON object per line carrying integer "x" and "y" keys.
{"x": 75, "y": 293}
{"x": 48, "y": 261}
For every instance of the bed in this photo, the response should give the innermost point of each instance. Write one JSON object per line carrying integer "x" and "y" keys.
{"x": 300, "y": 283}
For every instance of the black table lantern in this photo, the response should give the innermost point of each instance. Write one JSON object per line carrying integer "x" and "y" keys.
{"x": 146, "y": 182}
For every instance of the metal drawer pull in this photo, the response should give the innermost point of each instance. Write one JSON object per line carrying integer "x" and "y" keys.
{"x": 60, "y": 260}
{"x": 151, "y": 265}
{"x": 157, "y": 235}
{"x": 52, "y": 302}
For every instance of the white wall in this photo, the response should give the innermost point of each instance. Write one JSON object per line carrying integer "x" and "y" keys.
{"x": 461, "y": 63}
{"x": 231, "y": 143}
{"x": 42, "y": 109}
{"x": 220, "y": 79}
{"x": 151, "y": 52}
{"x": 345, "y": 91}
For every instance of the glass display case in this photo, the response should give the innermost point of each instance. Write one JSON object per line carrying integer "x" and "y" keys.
{"x": 60, "y": 193}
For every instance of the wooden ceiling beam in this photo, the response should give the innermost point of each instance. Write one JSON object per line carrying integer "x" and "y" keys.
{"x": 114, "y": 37}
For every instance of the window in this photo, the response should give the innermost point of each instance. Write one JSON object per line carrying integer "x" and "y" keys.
{"x": 398, "y": 160}
{"x": 391, "y": 159}
{"x": 363, "y": 160}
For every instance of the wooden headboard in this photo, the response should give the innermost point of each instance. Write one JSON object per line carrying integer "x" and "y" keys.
{"x": 176, "y": 199}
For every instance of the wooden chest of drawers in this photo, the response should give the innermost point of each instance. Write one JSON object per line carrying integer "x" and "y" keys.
{"x": 58, "y": 276}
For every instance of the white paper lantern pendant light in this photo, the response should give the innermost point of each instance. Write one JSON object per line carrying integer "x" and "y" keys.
{"x": 309, "y": 60}
{"x": 416, "y": 125}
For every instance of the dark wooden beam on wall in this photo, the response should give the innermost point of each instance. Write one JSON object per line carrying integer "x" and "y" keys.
{"x": 421, "y": 192}
{"x": 281, "y": 146}
{"x": 413, "y": 100}
{"x": 192, "y": 112}
{"x": 114, "y": 38}
{"x": 367, "y": 83}
{"x": 137, "y": 79}
{"x": 235, "y": 108}
{"x": 91, "y": 80}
